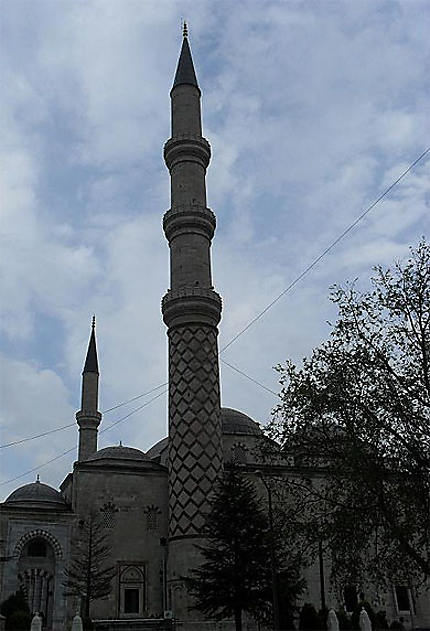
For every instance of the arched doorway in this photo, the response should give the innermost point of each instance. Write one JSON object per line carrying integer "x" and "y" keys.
{"x": 36, "y": 573}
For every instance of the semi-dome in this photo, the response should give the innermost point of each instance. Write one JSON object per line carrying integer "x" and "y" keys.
{"x": 36, "y": 493}
{"x": 235, "y": 422}
{"x": 118, "y": 452}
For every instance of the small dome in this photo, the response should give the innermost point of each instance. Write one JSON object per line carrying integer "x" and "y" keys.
{"x": 157, "y": 449}
{"x": 235, "y": 422}
{"x": 118, "y": 452}
{"x": 36, "y": 493}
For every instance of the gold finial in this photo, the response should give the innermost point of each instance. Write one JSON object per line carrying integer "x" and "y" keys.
{"x": 93, "y": 323}
{"x": 185, "y": 29}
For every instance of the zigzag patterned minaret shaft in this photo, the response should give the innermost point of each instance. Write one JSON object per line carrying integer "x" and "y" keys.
{"x": 191, "y": 310}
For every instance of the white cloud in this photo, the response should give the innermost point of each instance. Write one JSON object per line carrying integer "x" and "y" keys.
{"x": 311, "y": 111}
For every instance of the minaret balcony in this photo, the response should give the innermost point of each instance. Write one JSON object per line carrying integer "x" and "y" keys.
{"x": 88, "y": 419}
{"x": 189, "y": 148}
{"x": 189, "y": 219}
{"x": 191, "y": 305}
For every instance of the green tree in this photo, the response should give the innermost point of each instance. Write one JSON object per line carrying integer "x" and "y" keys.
{"x": 88, "y": 575}
{"x": 359, "y": 410}
{"x": 235, "y": 575}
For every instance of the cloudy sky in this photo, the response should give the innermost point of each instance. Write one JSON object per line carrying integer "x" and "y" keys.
{"x": 312, "y": 110}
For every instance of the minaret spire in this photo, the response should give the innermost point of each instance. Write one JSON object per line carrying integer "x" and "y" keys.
{"x": 91, "y": 363}
{"x": 185, "y": 73}
{"x": 191, "y": 310}
{"x": 88, "y": 417}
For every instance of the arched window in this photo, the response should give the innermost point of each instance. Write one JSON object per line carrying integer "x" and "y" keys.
{"x": 132, "y": 590}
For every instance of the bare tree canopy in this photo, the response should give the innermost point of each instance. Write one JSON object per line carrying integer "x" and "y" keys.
{"x": 89, "y": 576}
{"x": 359, "y": 410}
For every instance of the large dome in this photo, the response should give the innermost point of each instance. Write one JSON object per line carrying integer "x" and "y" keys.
{"x": 36, "y": 493}
{"x": 118, "y": 452}
{"x": 235, "y": 422}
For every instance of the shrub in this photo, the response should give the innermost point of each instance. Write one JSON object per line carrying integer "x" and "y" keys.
{"x": 19, "y": 620}
{"x": 344, "y": 620}
{"x": 381, "y": 620}
{"x": 16, "y": 611}
{"x": 309, "y": 619}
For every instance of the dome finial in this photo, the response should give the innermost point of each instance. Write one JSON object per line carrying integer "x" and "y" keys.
{"x": 120, "y": 443}
{"x": 38, "y": 478}
{"x": 184, "y": 29}
{"x": 93, "y": 323}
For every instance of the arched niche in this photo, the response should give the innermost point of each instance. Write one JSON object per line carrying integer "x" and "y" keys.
{"x": 38, "y": 553}
{"x": 132, "y": 591}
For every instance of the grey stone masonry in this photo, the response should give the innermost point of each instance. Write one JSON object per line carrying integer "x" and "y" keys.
{"x": 191, "y": 310}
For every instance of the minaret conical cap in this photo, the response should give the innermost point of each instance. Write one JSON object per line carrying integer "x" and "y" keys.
{"x": 91, "y": 363}
{"x": 185, "y": 73}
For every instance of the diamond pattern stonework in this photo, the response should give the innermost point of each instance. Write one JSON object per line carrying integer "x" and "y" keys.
{"x": 195, "y": 449}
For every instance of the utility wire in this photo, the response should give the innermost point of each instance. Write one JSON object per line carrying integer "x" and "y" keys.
{"x": 123, "y": 418}
{"x": 325, "y": 252}
{"x": 236, "y": 369}
{"x": 57, "y": 429}
{"x": 115, "y": 407}
{"x": 21, "y": 475}
{"x": 138, "y": 396}
{"x": 248, "y": 326}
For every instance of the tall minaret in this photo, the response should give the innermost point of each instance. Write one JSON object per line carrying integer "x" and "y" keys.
{"x": 89, "y": 417}
{"x": 191, "y": 310}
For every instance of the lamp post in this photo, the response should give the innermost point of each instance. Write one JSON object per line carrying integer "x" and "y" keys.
{"x": 275, "y": 594}
{"x": 322, "y": 581}
{"x": 163, "y": 544}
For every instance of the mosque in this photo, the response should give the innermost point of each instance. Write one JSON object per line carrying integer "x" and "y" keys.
{"x": 152, "y": 504}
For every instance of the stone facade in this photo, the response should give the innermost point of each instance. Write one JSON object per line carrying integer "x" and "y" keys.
{"x": 40, "y": 576}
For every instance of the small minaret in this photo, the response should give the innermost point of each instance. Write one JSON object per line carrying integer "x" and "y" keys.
{"x": 191, "y": 310}
{"x": 89, "y": 417}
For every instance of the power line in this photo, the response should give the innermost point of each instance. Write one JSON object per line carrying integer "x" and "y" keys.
{"x": 21, "y": 475}
{"x": 264, "y": 311}
{"x": 236, "y": 369}
{"x": 157, "y": 396}
{"x": 325, "y": 252}
{"x": 139, "y": 396}
{"x": 57, "y": 429}
{"x": 242, "y": 331}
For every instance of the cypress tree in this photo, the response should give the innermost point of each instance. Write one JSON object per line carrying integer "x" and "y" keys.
{"x": 235, "y": 575}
